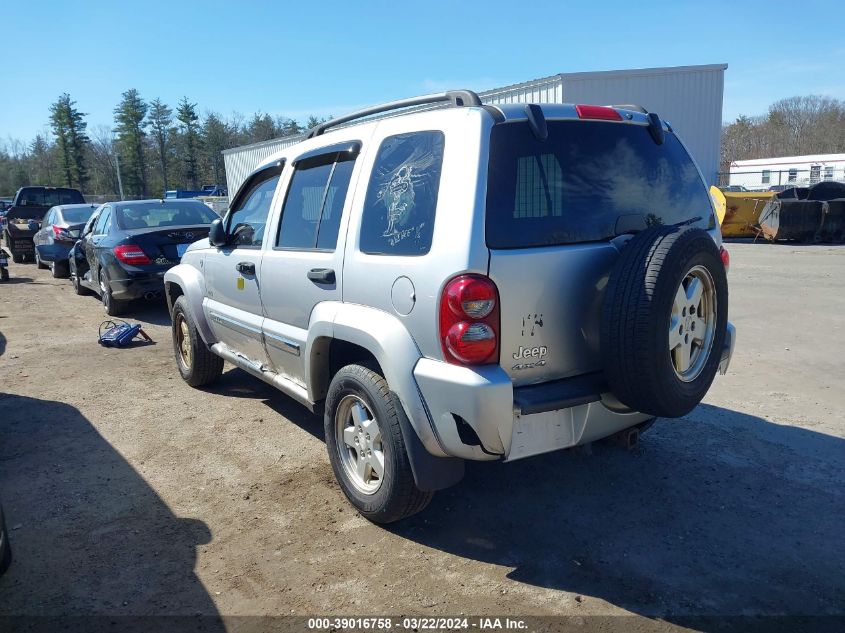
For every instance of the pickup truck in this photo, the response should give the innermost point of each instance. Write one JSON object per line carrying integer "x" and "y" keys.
{"x": 23, "y": 218}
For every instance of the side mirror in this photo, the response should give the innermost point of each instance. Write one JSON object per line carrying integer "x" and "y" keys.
{"x": 217, "y": 233}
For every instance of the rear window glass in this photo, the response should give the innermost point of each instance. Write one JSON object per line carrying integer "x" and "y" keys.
{"x": 77, "y": 216}
{"x": 576, "y": 185}
{"x": 148, "y": 216}
{"x": 50, "y": 197}
{"x": 401, "y": 198}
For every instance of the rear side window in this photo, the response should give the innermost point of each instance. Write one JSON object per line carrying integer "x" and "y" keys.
{"x": 314, "y": 202}
{"x": 401, "y": 200}
{"x": 575, "y": 186}
{"x": 101, "y": 227}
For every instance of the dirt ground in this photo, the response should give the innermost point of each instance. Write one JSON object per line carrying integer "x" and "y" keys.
{"x": 128, "y": 492}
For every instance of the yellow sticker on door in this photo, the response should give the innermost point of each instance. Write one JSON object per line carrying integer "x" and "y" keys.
{"x": 240, "y": 283}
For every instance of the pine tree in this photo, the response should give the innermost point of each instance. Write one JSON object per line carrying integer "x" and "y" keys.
{"x": 160, "y": 121}
{"x": 186, "y": 114}
{"x": 69, "y": 127}
{"x": 129, "y": 117}
{"x": 216, "y": 137}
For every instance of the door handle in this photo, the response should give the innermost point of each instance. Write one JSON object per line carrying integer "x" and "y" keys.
{"x": 246, "y": 268}
{"x": 321, "y": 275}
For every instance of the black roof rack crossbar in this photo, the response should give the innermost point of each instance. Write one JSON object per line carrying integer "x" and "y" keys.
{"x": 457, "y": 98}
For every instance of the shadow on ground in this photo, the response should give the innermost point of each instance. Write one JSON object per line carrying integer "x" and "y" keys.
{"x": 239, "y": 384}
{"x": 152, "y": 312}
{"x": 89, "y": 534}
{"x": 721, "y": 513}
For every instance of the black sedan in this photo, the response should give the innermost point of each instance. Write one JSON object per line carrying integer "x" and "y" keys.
{"x": 59, "y": 231}
{"x": 126, "y": 247}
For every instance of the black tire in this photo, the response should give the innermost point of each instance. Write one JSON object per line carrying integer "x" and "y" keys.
{"x": 17, "y": 257}
{"x": 397, "y": 496}
{"x": 78, "y": 288}
{"x": 60, "y": 270}
{"x": 636, "y": 317}
{"x": 203, "y": 366}
{"x": 6, "y": 553}
{"x": 113, "y": 306}
{"x": 4, "y": 274}
{"x": 38, "y": 263}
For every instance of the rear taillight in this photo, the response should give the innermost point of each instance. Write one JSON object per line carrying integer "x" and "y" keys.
{"x": 469, "y": 321}
{"x": 61, "y": 233}
{"x": 131, "y": 254}
{"x": 597, "y": 112}
{"x": 726, "y": 257}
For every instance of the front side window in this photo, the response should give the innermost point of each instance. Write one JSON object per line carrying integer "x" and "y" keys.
{"x": 793, "y": 175}
{"x": 399, "y": 209}
{"x": 767, "y": 176}
{"x": 314, "y": 202}
{"x": 815, "y": 173}
{"x": 248, "y": 219}
{"x": 828, "y": 173}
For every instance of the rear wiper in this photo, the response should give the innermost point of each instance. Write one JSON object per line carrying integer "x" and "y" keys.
{"x": 692, "y": 220}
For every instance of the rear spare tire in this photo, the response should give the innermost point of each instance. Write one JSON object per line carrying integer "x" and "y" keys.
{"x": 664, "y": 320}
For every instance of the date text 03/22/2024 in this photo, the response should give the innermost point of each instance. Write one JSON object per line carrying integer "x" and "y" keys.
{"x": 416, "y": 623}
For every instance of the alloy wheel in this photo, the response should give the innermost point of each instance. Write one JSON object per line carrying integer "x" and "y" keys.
{"x": 359, "y": 444}
{"x": 692, "y": 324}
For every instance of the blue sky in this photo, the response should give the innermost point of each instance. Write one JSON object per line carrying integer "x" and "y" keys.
{"x": 329, "y": 57}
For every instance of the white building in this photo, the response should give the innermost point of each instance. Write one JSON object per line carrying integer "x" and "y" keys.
{"x": 762, "y": 173}
{"x": 688, "y": 97}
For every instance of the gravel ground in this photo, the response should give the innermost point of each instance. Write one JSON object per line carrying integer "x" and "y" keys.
{"x": 128, "y": 492}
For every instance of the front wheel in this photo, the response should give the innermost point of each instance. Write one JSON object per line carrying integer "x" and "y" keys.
{"x": 366, "y": 447}
{"x": 17, "y": 257}
{"x": 197, "y": 365}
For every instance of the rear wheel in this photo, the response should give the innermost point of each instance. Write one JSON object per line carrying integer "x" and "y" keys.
{"x": 366, "y": 447}
{"x": 197, "y": 364}
{"x": 38, "y": 263}
{"x": 113, "y": 306}
{"x": 78, "y": 288}
{"x": 60, "y": 270}
{"x": 17, "y": 257}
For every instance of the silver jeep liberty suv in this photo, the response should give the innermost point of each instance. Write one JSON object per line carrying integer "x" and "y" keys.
{"x": 464, "y": 282}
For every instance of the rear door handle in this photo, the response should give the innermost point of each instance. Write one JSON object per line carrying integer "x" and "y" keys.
{"x": 246, "y": 268}
{"x": 321, "y": 275}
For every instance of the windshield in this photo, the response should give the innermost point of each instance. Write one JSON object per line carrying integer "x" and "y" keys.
{"x": 39, "y": 196}
{"x": 77, "y": 216}
{"x": 575, "y": 186}
{"x": 152, "y": 215}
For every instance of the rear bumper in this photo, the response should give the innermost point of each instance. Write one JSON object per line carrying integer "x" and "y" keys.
{"x": 54, "y": 252}
{"x": 476, "y": 413}
{"x": 136, "y": 285}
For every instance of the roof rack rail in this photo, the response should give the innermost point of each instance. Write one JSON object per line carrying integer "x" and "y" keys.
{"x": 457, "y": 98}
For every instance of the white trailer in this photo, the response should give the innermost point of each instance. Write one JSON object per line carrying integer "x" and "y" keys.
{"x": 800, "y": 171}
